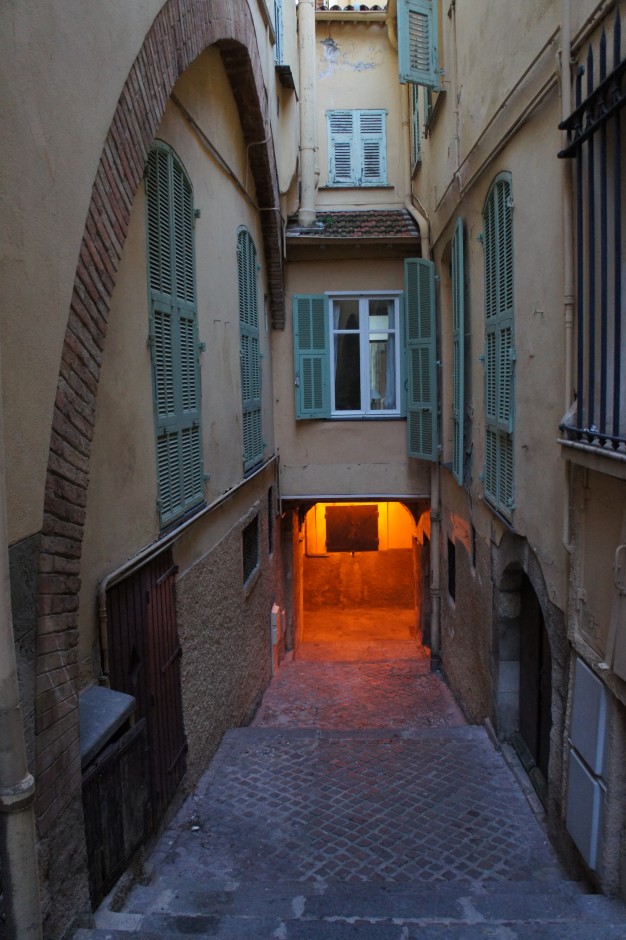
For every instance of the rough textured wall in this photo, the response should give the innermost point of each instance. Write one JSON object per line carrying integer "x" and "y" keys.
{"x": 224, "y": 630}
{"x": 466, "y": 620}
{"x": 365, "y": 579}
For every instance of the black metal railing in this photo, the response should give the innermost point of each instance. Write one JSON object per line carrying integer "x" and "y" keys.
{"x": 594, "y": 141}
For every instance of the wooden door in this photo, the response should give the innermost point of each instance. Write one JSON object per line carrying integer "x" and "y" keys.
{"x": 144, "y": 661}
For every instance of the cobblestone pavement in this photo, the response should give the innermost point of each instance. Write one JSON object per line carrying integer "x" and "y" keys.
{"x": 389, "y": 694}
{"x": 358, "y": 805}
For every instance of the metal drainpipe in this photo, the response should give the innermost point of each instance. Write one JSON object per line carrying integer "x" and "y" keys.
{"x": 435, "y": 490}
{"x": 392, "y": 29}
{"x": 568, "y": 250}
{"x": 17, "y": 786}
{"x": 308, "y": 149}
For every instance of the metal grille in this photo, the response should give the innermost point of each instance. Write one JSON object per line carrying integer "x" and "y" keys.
{"x": 595, "y": 141}
{"x": 250, "y": 548}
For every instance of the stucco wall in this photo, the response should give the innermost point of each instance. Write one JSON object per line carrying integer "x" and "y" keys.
{"x": 530, "y": 158}
{"x": 224, "y": 630}
{"x": 50, "y": 149}
{"x": 121, "y": 512}
{"x": 62, "y": 67}
{"x": 363, "y": 580}
{"x": 340, "y": 457}
{"x": 466, "y": 637}
{"x": 358, "y": 68}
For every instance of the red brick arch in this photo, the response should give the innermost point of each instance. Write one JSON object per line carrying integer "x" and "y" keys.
{"x": 181, "y": 31}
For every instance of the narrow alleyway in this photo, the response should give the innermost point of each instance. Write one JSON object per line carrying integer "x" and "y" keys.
{"x": 358, "y": 804}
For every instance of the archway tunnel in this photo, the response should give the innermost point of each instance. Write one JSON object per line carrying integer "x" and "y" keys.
{"x": 361, "y": 580}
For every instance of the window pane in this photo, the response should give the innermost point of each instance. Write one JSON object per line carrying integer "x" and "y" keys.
{"x": 382, "y": 347}
{"x": 347, "y": 355}
{"x": 346, "y": 314}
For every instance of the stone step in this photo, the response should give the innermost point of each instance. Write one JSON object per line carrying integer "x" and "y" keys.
{"x": 228, "y": 927}
{"x": 295, "y": 899}
{"x": 188, "y": 907}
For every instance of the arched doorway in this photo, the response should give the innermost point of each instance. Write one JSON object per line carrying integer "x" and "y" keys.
{"x": 524, "y": 675}
{"x": 535, "y": 693}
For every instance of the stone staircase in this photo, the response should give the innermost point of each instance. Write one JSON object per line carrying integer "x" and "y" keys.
{"x": 367, "y": 911}
{"x": 359, "y": 805}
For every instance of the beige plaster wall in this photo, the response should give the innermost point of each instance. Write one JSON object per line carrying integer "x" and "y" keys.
{"x": 530, "y": 158}
{"x": 599, "y": 503}
{"x": 466, "y": 640}
{"x": 335, "y": 457}
{"x": 358, "y": 68}
{"x": 62, "y": 68}
{"x": 121, "y": 514}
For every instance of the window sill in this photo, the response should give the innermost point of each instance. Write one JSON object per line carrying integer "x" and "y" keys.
{"x": 331, "y": 186}
{"x": 340, "y": 417}
{"x": 594, "y": 458}
{"x": 285, "y": 75}
{"x": 250, "y": 584}
{"x": 438, "y": 98}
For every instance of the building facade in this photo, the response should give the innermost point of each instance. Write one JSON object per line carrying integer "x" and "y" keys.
{"x": 308, "y": 294}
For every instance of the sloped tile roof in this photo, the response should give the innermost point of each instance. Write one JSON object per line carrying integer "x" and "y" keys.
{"x": 375, "y": 223}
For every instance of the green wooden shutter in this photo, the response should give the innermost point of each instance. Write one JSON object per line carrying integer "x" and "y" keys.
{"x": 311, "y": 352}
{"x": 458, "y": 352}
{"x": 418, "y": 57}
{"x": 341, "y": 147}
{"x": 373, "y": 147}
{"x": 421, "y": 343}
{"x": 499, "y": 346}
{"x": 173, "y": 334}
{"x": 250, "y": 354}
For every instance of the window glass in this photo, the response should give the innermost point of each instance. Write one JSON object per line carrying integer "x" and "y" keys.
{"x": 365, "y": 354}
{"x": 347, "y": 355}
{"x": 382, "y": 359}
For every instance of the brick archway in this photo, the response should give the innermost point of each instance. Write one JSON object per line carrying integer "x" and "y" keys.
{"x": 182, "y": 30}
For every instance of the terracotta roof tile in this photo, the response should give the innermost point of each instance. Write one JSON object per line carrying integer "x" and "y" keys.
{"x": 376, "y": 223}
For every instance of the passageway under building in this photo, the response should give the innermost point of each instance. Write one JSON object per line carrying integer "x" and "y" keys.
{"x": 361, "y": 580}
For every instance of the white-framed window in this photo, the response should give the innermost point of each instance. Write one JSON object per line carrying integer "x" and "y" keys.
{"x": 357, "y": 148}
{"x": 395, "y": 337}
{"x": 365, "y": 354}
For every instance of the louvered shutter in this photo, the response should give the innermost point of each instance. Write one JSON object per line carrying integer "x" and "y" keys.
{"x": 458, "y": 352}
{"x": 249, "y": 350}
{"x": 341, "y": 147}
{"x": 421, "y": 342}
{"x": 174, "y": 340}
{"x": 311, "y": 352}
{"x": 499, "y": 347}
{"x": 373, "y": 147}
{"x": 418, "y": 58}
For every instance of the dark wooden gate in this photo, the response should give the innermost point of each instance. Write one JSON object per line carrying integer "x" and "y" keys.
{"x": 144, "y": 661}
{"x": 535, "y": 697}
{"x": 116, "y": 809}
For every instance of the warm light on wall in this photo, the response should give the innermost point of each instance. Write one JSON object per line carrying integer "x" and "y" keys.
{"x": 396, "y": 526}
